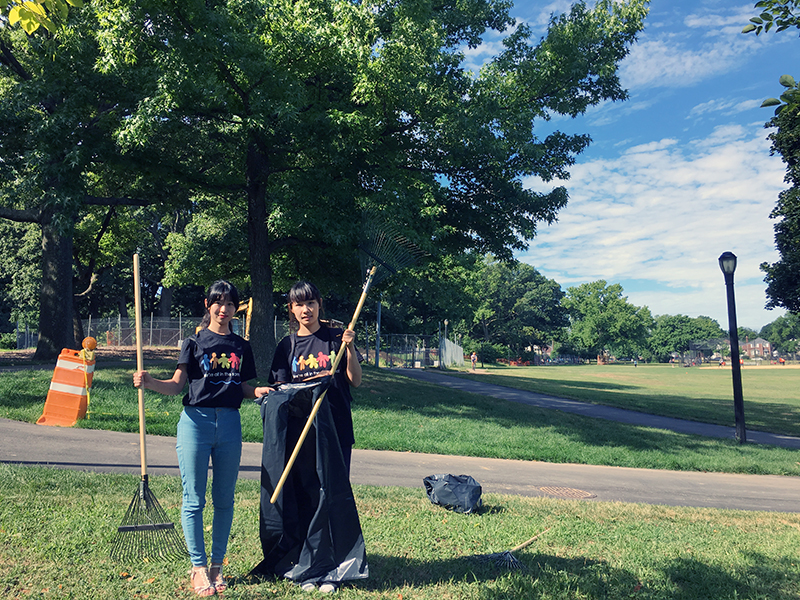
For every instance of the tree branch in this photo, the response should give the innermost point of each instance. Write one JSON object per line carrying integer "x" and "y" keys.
{"x": 114, "y": 201}
{"x": 7, "y": 58}
{"x": 20, "y": 216}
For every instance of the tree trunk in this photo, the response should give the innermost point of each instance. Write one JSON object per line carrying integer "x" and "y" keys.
{"x": 77, "y": 324}
{"x": 165, "y": 303}
{"x": 262, "y": 327}
{"x": 56, "y": 298}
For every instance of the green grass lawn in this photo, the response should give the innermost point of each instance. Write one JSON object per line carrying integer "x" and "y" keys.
{"x": 392, "y": 412}
{"x": 771, "y": 394}
{"x": 56, "y": 528}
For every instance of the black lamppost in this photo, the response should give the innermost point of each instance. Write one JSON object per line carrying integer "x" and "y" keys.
{"x": 727, "y": 262}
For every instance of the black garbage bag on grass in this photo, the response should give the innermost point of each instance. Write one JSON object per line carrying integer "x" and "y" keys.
{"x": 460, "y": 493}
{"x": 312, "y": 533}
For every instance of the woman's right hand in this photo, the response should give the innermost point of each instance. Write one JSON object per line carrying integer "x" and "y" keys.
{"x": 141, "y": 379}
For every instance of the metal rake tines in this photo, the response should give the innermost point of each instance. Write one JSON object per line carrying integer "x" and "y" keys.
{"x": 503, "y": 559}
{"x": 507, "y": 559}
{"x": 384, "y": 247}
{"x": 146, "y": 532}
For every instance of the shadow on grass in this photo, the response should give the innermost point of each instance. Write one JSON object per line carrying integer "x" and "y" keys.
{"x": 545, "y": 575}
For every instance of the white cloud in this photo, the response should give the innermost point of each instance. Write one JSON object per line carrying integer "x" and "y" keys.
{"x": 669, "y": 62}
{"x": 725, "y": 107}
{"x": 674, "y": 57}
{"x": 663, "y": 212}
{"x": 715, "y": 23}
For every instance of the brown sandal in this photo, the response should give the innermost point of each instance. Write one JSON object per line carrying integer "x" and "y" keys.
{"x": 217, "y": 580}
{"x": 203, "y": 587}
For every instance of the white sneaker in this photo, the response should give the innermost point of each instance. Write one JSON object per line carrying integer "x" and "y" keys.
{"x": 328, "y": 588}
{"x": 308, "y": 587}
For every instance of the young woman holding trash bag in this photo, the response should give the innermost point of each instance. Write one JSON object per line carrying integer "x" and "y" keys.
{"x": 217, "y": 364}
{"x": 307, "y": 354}
{"x": 312, "y": 534}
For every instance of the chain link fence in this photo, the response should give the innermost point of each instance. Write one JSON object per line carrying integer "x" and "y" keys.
{"x": 410, "y": 351}
{"x": 396, "y": 350}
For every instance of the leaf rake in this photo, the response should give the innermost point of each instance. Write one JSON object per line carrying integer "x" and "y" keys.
{"x": 507, "y": 559}
{"x": 146, "y": 533}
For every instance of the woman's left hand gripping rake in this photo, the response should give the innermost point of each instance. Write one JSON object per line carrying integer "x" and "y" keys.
{"x": 146, "y": 532}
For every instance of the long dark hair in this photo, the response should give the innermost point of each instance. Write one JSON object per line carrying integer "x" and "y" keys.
{"x": 219, "y": 290}
{"x": 302, "y": 291}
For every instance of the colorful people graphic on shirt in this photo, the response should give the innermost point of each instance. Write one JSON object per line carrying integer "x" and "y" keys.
{"x": 306, "y": 366}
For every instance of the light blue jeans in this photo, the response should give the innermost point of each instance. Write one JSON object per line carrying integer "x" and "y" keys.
{"x": 203, "y": 434}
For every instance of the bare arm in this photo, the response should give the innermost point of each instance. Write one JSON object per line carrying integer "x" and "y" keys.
{"x": 353, "y": 367}
{"x": 168, "y": 387}
{"x": 255, "y": 392}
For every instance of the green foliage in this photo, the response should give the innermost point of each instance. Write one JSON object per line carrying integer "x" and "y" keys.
{"x": 20, "y": 272}
{"x": 675, "y": 333}
{"x": 601, "y": 318}
{"x": 783, "y": 333}
{"x": 516, "y": 306}
{"x": 421, "y": 298}
{"x": 783, "y": 276}
{"x": 489, "y": 353}
{"x": 32, "y": 14}
{"x": 297, "y": 116}
{"x": 8, "y": 341}
{"x": 780, "y": 14}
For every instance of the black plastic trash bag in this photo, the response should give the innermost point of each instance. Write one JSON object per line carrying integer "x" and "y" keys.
{"x": 312, "y": 533}
{"x": 460, "y": 493}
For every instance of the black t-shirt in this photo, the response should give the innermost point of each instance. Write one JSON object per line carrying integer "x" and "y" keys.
{"x": 216, "y": 367}
{"x": 298, "y": 358}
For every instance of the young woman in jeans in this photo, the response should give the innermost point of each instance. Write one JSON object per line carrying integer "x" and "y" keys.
{"x": 217, "y": 364}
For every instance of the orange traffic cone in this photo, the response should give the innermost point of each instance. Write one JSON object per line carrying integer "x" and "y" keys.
{"x": 68, "y": 397}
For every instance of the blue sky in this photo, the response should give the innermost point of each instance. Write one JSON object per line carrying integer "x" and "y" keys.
{"x": 679, "y": 173}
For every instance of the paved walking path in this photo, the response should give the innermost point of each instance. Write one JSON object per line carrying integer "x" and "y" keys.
{"x": 105, "y": 451}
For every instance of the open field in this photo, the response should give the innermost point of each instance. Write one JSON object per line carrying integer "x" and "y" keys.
{"x": 56, "y": 528}
{"x": 392, "y": 412}
{"x": 705, "y": 394}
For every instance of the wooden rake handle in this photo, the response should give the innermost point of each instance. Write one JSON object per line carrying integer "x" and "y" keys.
{"x": 527, "y": 543}
{"x": 137, "y": 294}
{"x": 310, "y": 421}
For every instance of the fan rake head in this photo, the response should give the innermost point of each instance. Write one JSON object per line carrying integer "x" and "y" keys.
{"x": 385, "y": 248}
{"x": 507, "y": 559}
{"x": 504, "y": 560}
{"x": 146, "y": 532}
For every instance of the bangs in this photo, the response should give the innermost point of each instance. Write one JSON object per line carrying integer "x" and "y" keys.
{"x": 303, "y": 291}
{"x": 222, "y": 291}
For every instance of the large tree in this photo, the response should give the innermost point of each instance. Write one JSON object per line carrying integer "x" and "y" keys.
{"x": 57, "y": 154}
{"x": 602, "y": 319}
{"x": 516, "y": 306}
{"x": 676, "y": 333}
{"x": 64, "y": 168}
{"x": 783, "y": 333}
{"x": 312, "y": 111}
{"x": 783, "y": 276}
